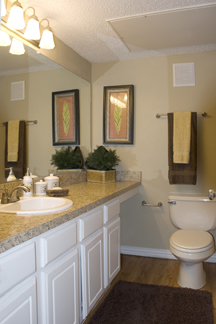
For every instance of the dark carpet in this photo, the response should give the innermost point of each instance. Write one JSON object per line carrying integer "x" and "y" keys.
{"x": 134, "y": 303}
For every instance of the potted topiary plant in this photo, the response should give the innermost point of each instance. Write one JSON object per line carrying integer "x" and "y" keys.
{"x": 100, "y": 164}
{"x": 67, "y": 159}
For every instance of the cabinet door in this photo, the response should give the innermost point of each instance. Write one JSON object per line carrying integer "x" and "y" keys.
{"x": 92, "y": 270}
{"x": 111, "y": 250}
{"x": 60, "y": 291}
{"x": 20, "y": 305}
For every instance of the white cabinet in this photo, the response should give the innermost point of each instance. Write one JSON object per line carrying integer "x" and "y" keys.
{"x": 111, "y": 229}
{"x": 16, "y": 265}
{"x": 112, "y": 264}
{"x": 92, "y": 271}
{"x": 60, "y": 290}
{"x": 20, "y": 304}
{"x": 91, "y": 256}
{"x": 57, "y": 277}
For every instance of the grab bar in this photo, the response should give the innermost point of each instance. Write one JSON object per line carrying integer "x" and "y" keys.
{"x": 159, "y": 204}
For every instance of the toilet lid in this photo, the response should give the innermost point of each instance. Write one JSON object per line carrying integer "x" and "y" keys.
{"x": 191, "y": 239}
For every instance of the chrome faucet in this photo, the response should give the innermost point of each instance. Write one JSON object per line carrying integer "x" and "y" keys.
{"x": 212, "y": 194}
{"x": 13, "y": 195}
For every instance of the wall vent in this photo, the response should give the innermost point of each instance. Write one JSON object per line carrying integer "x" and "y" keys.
{"x": 17, "y": 90}
{"x": 183, "y": 75}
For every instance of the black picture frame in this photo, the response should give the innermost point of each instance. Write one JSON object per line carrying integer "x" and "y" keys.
{"x": 118, "y": 114}
{"x": 66, "y": 117}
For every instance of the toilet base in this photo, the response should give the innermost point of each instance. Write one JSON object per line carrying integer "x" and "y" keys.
{"x": 191, "y": 275}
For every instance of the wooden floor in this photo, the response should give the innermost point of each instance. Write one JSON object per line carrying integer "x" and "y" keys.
{"x": 158, "y": 272}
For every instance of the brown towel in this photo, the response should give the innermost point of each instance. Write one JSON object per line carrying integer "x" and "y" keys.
{"x": 183, "y": 173}
{"x": 19, "y": 167}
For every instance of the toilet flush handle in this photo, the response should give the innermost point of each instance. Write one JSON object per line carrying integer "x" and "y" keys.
{"x": 173, "y": 202}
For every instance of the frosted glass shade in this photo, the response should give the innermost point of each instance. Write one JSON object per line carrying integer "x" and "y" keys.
{"x": 47, "y": 40}
{"x": 3, "y": 9}
{"x": 4, "y": 39}
{"x": 16, "y": 19}
{"x": 17, "y": 47}
{"x": 32, "y": 29}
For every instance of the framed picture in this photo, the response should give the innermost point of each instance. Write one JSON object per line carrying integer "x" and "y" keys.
{"x": 118, "y": 114}
{"x": 65, "y": 117}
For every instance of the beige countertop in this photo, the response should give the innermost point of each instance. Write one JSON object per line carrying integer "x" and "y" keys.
{"x": 15, "y": 230}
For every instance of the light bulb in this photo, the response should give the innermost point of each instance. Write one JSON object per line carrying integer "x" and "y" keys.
{"x": 3, "y": 9}
{"x": 17, "y": 47}
{"x": 16, "y": 19}
{"x": 4, "y": 39}
{"x": 47, "y": 41}
{"x": 32, "y": 29}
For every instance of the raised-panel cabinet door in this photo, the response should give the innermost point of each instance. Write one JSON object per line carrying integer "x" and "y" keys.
{"x": 112, "y": 262}
{"x": 92, "y": 270}
{"x": 60, "y": 291}
{"x": 20, "y": 304}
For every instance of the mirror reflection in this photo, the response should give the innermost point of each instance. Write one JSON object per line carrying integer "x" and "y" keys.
{"x": 40, "y": 77}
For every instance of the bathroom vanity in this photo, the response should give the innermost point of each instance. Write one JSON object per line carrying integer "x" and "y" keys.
{"x": 55, "y": 267}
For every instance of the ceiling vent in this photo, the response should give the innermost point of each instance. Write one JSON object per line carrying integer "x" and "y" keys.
{"x": 183, "y": 75}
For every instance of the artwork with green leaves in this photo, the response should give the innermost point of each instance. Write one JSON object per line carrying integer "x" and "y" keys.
{"x": 65, "y": 117}
{"x": 118, "y": 114}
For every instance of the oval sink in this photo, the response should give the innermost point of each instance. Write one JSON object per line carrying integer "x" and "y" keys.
{"x": 36, "y": 205}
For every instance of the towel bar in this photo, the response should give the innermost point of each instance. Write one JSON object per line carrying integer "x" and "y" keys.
{"x": 203, "y": 114}
{"x": 26, "y": 121}
{"x": 159, "y": 204}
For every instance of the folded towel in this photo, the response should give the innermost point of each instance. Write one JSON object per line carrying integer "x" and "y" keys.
{"x": 19, "y": 167}
{"x": 181, "y": 136}
{"x": 183, "y": 173}
{"x": 13, "y": 140}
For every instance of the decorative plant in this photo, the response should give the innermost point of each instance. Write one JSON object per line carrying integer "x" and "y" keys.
{"x": 67, "y": 158}
{"x": 102, "y": 159}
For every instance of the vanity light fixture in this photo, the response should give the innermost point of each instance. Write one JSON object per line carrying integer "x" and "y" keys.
{"x": 17, "y": 47}
{"x": 4, "y": 39}
{"x": 16, "y": 18}
{"x": 3, "y": 8}
{"x": 47, "y": 38}
{"x": 32, "y": 30}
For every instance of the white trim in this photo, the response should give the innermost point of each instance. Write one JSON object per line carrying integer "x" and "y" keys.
{"x": 154, "y": 253}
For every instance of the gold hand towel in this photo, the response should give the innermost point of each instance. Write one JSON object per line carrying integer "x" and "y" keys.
{"x": 13, "y": 140}
{"x": 181, "y": 136}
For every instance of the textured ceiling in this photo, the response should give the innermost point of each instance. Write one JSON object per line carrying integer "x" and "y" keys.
{"x": 83, "y": 25}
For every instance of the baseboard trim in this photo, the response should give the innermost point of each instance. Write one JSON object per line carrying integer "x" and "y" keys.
{"x": 154, "y": 253}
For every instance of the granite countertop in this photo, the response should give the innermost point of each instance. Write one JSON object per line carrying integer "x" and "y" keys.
{"x": 15, "y": 230}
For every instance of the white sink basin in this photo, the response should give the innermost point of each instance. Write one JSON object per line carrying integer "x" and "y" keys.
{"x": 36, "y": 205}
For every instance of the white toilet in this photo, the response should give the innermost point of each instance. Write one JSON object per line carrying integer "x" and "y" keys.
{"x": 192, "y": 244}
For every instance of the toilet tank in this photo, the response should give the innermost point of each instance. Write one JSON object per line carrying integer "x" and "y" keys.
{"x": 192, "y": 212}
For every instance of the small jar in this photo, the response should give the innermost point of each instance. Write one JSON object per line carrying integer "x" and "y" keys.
{"x": 41, "y": 188}
{"x": 52, "y": 181}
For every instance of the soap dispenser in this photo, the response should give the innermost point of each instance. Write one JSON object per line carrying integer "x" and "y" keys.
{"x": 27, "y": 180}
{"x": 11, "y": 176}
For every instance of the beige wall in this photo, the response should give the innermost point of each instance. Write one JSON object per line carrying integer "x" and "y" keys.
{"x": 38, "y": 105}
{"x": 154, "y": 93}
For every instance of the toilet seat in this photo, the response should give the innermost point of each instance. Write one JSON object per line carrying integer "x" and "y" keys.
{"x": 193, "y": 241}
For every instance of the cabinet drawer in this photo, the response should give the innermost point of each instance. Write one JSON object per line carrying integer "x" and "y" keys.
{"x": 16, "y": 265}
{"x": 111, "y": 210}
{"x": 90, "y": 223}
{"x": 57, "y": 242}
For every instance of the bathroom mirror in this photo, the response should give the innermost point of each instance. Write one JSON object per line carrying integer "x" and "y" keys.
{"x": 26, "y": 85}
